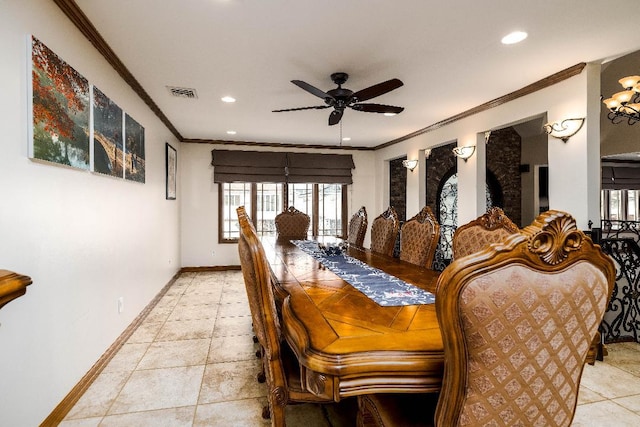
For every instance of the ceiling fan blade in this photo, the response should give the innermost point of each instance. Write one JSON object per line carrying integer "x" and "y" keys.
{"x": 335, "y": 116}
{"x": 376, "y": 90}
{"x": 311, "y": 89}
{"x": 377, "y": 108}
{"x": 317, "y": 107}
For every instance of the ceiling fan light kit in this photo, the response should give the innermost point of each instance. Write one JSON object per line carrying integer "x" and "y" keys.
{"x": 341, "y": 98}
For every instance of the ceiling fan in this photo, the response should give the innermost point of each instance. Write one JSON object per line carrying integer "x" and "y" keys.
{"x": 340, "y": 98}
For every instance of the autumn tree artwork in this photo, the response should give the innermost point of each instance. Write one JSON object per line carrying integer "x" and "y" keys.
{"x": 60, "y": 109}
{"x": 134, "y": 162}
{"x": 108, "y": 150}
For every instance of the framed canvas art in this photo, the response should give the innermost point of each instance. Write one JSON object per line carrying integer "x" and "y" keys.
{"x": 134, "y": 160}
{"x": 59, "y": 110}
{"x": 108, "y": 150}
{"x": 171, "y": 169}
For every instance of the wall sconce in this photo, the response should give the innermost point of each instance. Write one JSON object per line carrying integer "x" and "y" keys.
{"x": 464, "y": 152}
{"x": 410, "y": 164}
{"x": 565, "y": 129}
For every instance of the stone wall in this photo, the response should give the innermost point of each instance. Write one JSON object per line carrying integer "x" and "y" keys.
{"x": 503, "y": 160}
{"x": 440, "y": 162}
{"x": 397, "y": 188}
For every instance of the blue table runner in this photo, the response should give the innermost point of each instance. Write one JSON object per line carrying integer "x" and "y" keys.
{"x": 384, "y": 289}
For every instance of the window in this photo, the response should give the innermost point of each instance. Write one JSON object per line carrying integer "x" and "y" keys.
{"x": 620, "y": 205}
{"x": 324, "y": 203}
{"x": 235, "y": 195}
{"x": 330, "y": 210}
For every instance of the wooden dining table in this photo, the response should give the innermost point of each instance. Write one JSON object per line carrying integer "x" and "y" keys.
{"x": 345, "y": 342}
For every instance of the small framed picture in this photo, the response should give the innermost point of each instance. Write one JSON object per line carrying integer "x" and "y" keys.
{"x": 171, "y": 170}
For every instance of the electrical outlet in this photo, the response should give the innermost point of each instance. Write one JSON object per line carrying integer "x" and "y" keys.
{"x": 120, "y": 304}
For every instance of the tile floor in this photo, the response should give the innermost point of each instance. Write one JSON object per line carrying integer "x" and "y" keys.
{"x": 192, "y": 363}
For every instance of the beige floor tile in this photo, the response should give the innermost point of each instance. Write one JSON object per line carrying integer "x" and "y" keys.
{"x": 586, "y": 395}
{"x": 234, "y": 310}
{"x": 159, "y": 389}
{"x": 97, "y": 400}
{"x": 127, "y": 358}
{"x": 625, "y": 356}
{"x": 604, "y": 414}
{"x": 233, "y": 326}
{"x": 168, "y": 301}
{"x": 196, "y": 299}
{"x": 234, "y": 413}
{"x": 83, "y": 422}
{"x": 194, "y": 312}
{"x": 232, "y": 349}
{"x": 610, "y": 381}
{"x": 231, "y": 381}
{"x": 159, "y": 314}
{"x": 169, "y": 354}
{"x": 186, "y": 329}
{"x": 172, "y": 417}
{"x": 632, "y": 403}
{"x": 146, "y": 332}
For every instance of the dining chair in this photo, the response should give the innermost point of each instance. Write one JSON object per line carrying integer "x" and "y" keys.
{"x": 419, "y": 238}
{"x": 384, "y": 230}
{"x": 281, "y": 369}
{"x": 357, "y": 228}
{"x": 292, "y": 224}
{"x": 491, "y": 227}
{"x": 517, "y": 320}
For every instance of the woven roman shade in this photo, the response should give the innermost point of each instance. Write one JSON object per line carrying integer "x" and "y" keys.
{"x": 320, "y": 168}
{"x": 248, "y": 166}
{"x": 265, "y": 166}
{"x": 620, "y": 177}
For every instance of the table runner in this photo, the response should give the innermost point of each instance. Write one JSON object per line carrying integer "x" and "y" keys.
{"x": 384, "y": 289}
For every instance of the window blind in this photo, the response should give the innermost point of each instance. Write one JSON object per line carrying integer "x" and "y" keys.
{"x": 265, "y": 166}
{"x": 620, "y": 178}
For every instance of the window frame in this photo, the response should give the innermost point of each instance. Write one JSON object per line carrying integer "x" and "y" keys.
{"x": 285, "y": 202}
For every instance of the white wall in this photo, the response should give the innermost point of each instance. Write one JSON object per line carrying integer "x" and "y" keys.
{"x": 199, "y": 201}
{"x": 83, "y": 238}
{"x": 572, "y": 166}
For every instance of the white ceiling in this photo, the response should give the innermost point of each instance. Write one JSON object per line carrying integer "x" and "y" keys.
{"x": 447, "y": 53}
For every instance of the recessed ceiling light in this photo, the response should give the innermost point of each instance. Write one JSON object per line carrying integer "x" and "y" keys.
{"x": 514, "y": 37}
{"x": 231, "y": 132}
{"x": 346, "y": 138}
{"x": 389, "y": 114}
{"x": 228, "y": 99}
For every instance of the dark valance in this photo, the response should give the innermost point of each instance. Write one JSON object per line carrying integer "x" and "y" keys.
{"x": 620, "y": 178}
{"x": 265, "y": 166}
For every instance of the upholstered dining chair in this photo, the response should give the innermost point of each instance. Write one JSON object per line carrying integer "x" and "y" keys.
{"x": 419, "y": 238}
{"x": 280, "y": 365}
{"x": 357, "y": 228}
{"x": 384, "y": 230}
{"x": 292, "y": 224}
{"x": 491, "y": 227}
{"x": 517, "y": 320}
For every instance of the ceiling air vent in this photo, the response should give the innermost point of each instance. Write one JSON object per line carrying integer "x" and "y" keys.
{"x": 183, "y": 92}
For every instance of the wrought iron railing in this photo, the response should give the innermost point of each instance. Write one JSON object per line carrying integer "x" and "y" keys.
{"x": 620, "y": 241}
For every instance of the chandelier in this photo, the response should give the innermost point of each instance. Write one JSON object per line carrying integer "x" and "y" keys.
{"x": 626, "y": 104}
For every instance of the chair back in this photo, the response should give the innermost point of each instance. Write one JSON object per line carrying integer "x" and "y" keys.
{"x": 357, "y": 228}
{"x": 266, "y": 325}
{"x": 517, "y": 320}
{"x": 384, "y": 230}
{"x": 419, "y": 238}
{"x": 292, "y": 224}
{"x": 492, "y": 227}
